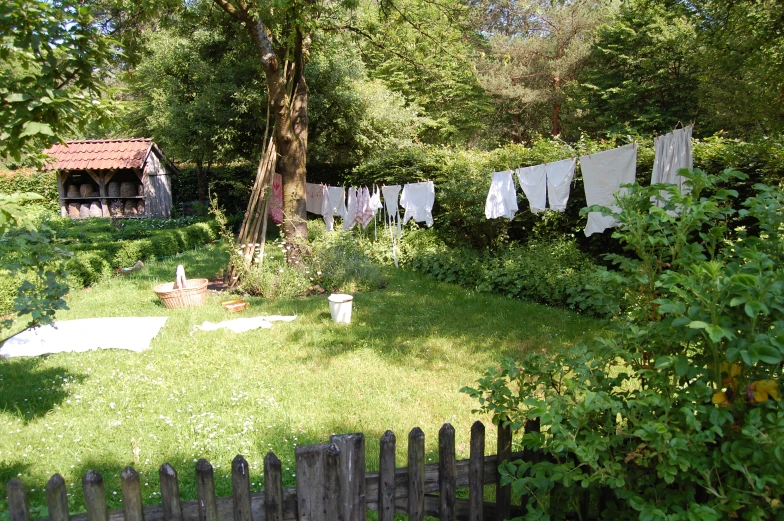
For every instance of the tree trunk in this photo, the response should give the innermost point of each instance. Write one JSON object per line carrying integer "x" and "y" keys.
{"x": 201, "y": 182}
{"x": 556, "y": 106}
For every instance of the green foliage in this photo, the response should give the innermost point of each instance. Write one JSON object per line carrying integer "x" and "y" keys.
{"x": 53, "y": 60}
{"x": 86, "y": 268}
{"x": 29, "y": 180}
{"x": 678, "y": 414}
{"x": 642, "y": 73}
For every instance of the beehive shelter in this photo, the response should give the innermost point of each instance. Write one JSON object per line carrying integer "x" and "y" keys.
{"x": 112, "y": 178}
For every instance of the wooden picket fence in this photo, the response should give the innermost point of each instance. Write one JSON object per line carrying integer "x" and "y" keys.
{"x": 332, "y": 485}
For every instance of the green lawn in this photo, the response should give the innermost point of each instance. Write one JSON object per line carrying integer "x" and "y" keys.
{"x": 399, "y": 365}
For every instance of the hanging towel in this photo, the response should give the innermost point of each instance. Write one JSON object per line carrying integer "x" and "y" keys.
{"x": 603, "y": 175}
{"x": 502, "y": 198}
{"x": 366, "y": 213}
{"x": 276, "y": 199}
{"x": 533, "y": 181}
{"x": 352, "y": 210}
{"x": 559, "y": 179}
{"x": 418, "y": 199}
{"x": 315, "y": 198}
{"x": 334, "y": 205}
{"x": 673, "y": 152}
{"x": 375, "y": 201}
{"x": 390, "y": 194}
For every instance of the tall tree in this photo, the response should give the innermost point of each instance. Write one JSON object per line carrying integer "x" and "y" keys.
{"x": 642, "y": 74}
{"x": 281, "y": 32}
{"x": 533, "y": 49}
{"x": 53, "y": 59}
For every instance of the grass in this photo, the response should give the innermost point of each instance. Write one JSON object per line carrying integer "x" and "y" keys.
{"x": 399, "y": 365}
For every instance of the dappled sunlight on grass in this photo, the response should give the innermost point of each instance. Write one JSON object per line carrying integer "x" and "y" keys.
{"x": 213, "y": 394}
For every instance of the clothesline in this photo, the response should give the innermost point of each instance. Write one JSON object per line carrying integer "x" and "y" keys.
{"x": 603, "y": 174}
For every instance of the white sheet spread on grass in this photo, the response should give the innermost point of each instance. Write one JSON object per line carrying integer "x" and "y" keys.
{"x": 241, "y": 325}
{"x": 86, "y": 334}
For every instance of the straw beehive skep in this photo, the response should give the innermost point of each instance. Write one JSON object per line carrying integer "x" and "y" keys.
{"x": 140, "y": 207}
{"x": 116, "y": 208}
{"x": 72, "y": 191}
{"x": 130, "y": 208}
{"x": 128, "y": 189}
{"x": 113, "y": 189}
{"x": 95, "y": 209}
{"x": 86, "y": 190}
{"x": 140, "y": 189}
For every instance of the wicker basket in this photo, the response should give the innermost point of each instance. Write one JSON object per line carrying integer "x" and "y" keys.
{"x": 194, "y": 294}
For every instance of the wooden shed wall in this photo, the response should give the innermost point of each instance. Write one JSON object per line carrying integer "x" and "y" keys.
{"x": 157, "y": 187}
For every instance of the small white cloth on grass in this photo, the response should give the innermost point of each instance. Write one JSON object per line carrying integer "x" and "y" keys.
{"x": 241, "y": 325}
{"x": 87, "y": 334}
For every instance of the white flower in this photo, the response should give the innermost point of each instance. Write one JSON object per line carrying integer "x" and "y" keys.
{"x": 111, "y": 405}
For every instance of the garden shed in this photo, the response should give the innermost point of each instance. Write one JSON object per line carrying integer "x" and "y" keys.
{"x": 112, "y": 178}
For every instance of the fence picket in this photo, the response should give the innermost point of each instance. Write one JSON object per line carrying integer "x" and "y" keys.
{"x": 273, "y": 488}
{"x": 170, "y": 493}
{"x": 446, "y": 472}
{"x": 310, "y": 482}
{"x": 240, "y": 486}
{"x": 334, "y": 481}
{"x": 352, "y": 469}
{"x": 205, "y": 489}
{"x": 18, "y": 505}
{"x": 503, "y": 494}
{"x": 476, "y": 473}
{"x": 132, "y": 495}
{"x": 57, "y": 498}
{"x": 416, "y": 475}
{"x": 94, "y": 496}
{"x": 386, "y": 485}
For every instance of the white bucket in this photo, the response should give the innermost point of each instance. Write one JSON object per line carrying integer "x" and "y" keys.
{"x": 340, "y": 307}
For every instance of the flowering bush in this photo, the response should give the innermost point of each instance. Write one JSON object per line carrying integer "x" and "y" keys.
{"x": 677, "y": 415}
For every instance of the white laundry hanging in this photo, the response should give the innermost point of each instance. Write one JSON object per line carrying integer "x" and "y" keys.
{"x": 391, "y": 194}
{"x": 603, "y": 175}
{"x": 502, "y": 197}
{"x": 559, "y": 180}
{"x": 673, "y": 152}
{"x": 352, "y": 210}
{"x": 375, "y": 206}
{"x": 314, "y": 194}
{"x": 417, "y": 199}
{"x": 365, "y": 212}
{"x": 533, "y": 181}
{"x": 334, "y": 205}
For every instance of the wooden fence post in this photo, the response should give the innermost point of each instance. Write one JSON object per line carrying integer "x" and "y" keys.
{"x": 132, "y": 495}
{"x": 416, "y": 475}
{"x": 170, "y": 493}
{"x": 352, "y": 471}
{"x": 240, "y": 487}
{"x": 447, "y": 472}
{"x": 311, "y": 486}
{"x": 57, "y": 498}
{"x": 476, "y": 473}
{"x": 273, "y": 487}
{"x": 18, "y": 504}
{"x": 334, "y": 483}
{"x": 205, "y": 489}
{"x": 503, "y": 494}
{"x": 95, "y": 497}
{"x": 386, "y": 483}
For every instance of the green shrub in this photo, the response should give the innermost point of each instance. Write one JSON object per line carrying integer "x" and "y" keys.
{"x": 86, "y": 268}
{"x": 678, "y": 413}
{"x": 132, "y": 251}
{"x": 9, "y": 285}
{"x": 29, "y": 180}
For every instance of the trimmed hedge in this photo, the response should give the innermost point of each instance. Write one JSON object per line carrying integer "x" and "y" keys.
{"x": 95, "y": 261}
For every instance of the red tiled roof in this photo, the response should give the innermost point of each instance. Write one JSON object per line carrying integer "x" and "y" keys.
{"x": 99, "y": 154}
